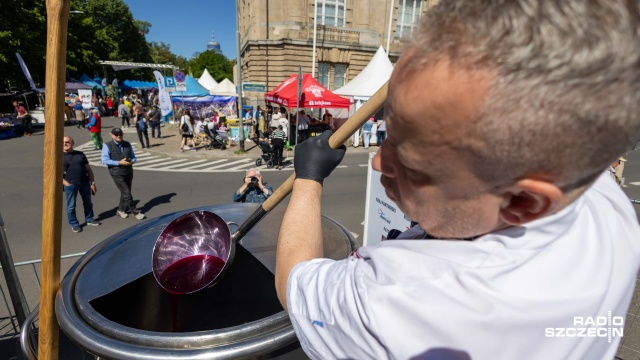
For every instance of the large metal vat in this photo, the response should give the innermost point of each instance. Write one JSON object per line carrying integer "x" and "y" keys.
{"x": 110, "y": 305}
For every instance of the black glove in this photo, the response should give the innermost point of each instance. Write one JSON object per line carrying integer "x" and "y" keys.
{"x": 314, "y": 159}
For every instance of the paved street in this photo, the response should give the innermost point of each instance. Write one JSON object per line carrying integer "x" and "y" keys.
{"x": 167, "y": 180}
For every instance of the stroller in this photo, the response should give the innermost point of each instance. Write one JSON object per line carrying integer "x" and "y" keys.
{"x": 214, "y": 140}
{"x": 268, "y": 154}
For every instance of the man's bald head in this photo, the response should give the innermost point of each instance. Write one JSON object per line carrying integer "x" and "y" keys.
{"x": 563, "y": 100}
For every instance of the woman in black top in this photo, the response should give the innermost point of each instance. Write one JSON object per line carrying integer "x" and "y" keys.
{"x": 278, "y": 139}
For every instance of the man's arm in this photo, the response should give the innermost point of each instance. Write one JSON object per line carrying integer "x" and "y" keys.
{"x": 314, "y": 161}
{"x": 298, "y": 243}
{"x": 105, "y": 157}
{"x": 239, "y": 195}
{"x": 91, "y": 178}
{"x": 133, "y": 156}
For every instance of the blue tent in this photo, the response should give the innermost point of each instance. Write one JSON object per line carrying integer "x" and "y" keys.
{"x": 193, "y": 88}
{"x": 137, "y": 84}
{"x": 89, "y": 81}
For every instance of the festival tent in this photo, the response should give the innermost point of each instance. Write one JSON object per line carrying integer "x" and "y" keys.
{"x": 366, "y": 83}
{"x": 371, "y": 78}
{"x": 73, "y": 86}
{"x": 207, "y": 80}
{"x": 193, "y": 88}
{"x": 89, "y": 81}
{"x": 314, "y": 95}
{"x": 225, "y": 88}
{"x": 137, "y": 84}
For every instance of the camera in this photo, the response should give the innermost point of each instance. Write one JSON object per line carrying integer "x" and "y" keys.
{"x": 254, "y": 179}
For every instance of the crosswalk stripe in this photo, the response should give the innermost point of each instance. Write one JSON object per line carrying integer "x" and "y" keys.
{"x": 186, "y": 165}
{"x": 155, "y": 165}
{"x": 205, "y": 165}
{"x": 247, "y": 166}
{"x": 147, "y": 162}
{"x": 636, "y": 183}
{"x": 231, "y": 163}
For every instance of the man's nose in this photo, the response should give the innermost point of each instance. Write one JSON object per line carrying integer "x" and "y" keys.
{"x": 384, "y": 160}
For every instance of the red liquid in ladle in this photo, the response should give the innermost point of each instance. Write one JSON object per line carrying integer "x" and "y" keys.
{"x": 190, "y": 273}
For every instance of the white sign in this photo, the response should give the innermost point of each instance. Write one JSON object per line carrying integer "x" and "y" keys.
{"x": 85, "y": 96}
{"x": 180, "y": 86}
{"x": 169, "y": 84}
{"x": 380, "y": 213}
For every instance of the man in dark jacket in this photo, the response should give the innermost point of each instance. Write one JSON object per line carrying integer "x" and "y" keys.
{"x": 118, "y": 156}
{"x": 154, "y": 117}
{"x": 77, "y": 178}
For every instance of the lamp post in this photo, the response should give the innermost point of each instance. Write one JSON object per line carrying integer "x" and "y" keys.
{"x": 239, "y": 84}
{"x": 315, "y": 29}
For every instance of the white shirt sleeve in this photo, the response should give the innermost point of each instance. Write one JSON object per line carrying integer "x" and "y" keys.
{"x": 329, "y": 309}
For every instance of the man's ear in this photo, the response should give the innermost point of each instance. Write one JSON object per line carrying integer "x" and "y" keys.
{"x": 528, "y": 200}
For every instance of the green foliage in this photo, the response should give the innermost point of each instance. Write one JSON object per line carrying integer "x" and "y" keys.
{"x": 112, "y": 92}
{"x": 217, "y": 64}
{"x": 23, "y": 30}
{"x": 106, "y": 30}
{"x": 103, "y": 30}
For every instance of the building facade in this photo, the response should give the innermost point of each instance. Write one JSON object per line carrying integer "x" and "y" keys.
{"x": 277, "y": 36}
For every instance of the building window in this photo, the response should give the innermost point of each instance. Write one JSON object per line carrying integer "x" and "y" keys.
{"x": 338, "y": 76}
{"x": 331, "y": 12}
{"x": 323, "y": 74}
{"x": 328, "y": 70}
{"x": 408, "y": 15}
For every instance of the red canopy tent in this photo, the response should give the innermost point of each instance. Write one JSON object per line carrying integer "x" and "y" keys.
{"x": 314, "y": 95}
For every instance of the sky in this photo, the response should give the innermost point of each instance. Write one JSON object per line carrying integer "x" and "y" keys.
{"x": 186, "y": 25}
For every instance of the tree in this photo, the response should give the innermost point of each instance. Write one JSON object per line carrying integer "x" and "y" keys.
{"x": 23, "y": 30}
{"x": 217, "y": 64}
{"x": 161, "y": 54}
{"x": 106, "y": 30}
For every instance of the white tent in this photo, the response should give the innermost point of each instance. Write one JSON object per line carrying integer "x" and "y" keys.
{"x": 365, "y": 84}
{"x": 371, "y": 78}
{"x": 225, "y": 88}
{"x": 207, "y": 80}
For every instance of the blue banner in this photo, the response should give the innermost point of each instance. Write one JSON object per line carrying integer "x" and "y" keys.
{"x": 202, "y": 107}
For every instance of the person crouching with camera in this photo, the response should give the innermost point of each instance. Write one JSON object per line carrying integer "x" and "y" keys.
{"x": 253, "y": 190}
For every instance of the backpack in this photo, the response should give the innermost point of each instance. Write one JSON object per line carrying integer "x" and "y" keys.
{"x": 185, "y": 127}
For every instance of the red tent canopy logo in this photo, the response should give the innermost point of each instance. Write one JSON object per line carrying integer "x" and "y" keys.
{"x": 315, "y": 89}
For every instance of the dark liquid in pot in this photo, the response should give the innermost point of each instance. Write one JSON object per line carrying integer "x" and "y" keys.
{"x": 187, "y": 275}
{"x": 191, "y": 273}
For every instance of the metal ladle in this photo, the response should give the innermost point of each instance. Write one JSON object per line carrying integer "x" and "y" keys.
{"x": 198, "y": 239}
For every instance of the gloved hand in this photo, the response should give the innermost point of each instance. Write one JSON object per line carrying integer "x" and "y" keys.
{"x": 314, "y": 159}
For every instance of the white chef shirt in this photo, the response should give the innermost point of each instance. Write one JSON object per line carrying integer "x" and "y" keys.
{"x": 492, "y": 298}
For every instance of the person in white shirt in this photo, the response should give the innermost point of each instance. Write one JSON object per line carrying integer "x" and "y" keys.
{"x": 525, "y": 248}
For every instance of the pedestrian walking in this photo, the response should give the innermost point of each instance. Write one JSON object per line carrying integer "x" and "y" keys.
{"x": 140, "y": 119}
{"x": 95, "y": 128}
{"x": 154, "y": 118}
{"x": 123, "y": 112}
{"x": 77, "y": 177}
{"x": 119, "y": 157}
{"x": 187, "y": 125}
{"x": 278, "y": 140}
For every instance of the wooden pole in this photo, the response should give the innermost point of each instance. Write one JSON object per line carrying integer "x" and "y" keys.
{"x": 57, "y": 21}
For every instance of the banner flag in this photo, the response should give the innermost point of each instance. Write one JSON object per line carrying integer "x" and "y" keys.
{"x": 26, "y": 71}
{"x": 165, "y": 100}
{"x": 85, "y": 95}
